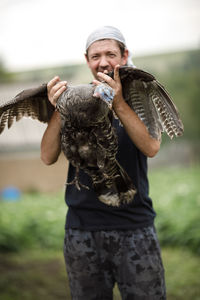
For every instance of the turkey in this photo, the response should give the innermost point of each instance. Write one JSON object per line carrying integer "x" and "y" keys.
{"x": 88, "y": 138}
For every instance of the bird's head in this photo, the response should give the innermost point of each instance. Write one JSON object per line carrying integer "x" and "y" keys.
{"x": 105, "y": 93}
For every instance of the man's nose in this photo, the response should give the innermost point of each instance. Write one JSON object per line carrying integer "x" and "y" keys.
{"x": 103, "y": 62}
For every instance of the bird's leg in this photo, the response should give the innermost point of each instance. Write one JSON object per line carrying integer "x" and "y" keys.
{"x": 101, "y": 160}
{"x": 76, "y": 181}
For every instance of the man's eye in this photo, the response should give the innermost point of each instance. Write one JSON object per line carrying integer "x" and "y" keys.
{"x": 111, "y": 55}
{"x": 94, "y": 57}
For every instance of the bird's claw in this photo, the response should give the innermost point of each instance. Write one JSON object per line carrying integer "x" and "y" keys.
{"x": 78, "y": 185}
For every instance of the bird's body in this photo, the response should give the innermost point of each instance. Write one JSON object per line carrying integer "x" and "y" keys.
{"x": 88, "y": 138}
{"x": 89, "y": 142}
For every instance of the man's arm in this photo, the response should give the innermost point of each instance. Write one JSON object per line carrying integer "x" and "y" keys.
{"x": 135, "y": 128}
{"x": 50, "y": 145}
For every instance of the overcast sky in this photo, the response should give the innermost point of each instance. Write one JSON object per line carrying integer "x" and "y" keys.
{"x": 38, "y": 33}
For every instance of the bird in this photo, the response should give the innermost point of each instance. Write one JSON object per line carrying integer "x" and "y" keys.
{"x": 88, "y": 138}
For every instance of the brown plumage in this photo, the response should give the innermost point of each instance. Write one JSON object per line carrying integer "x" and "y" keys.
{"x": 87, "y": 137}
{"x": 152, "y": 103}
{"x": 29, "y": 103}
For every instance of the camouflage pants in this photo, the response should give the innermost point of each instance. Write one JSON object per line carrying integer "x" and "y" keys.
{"x": 96, "y": 260}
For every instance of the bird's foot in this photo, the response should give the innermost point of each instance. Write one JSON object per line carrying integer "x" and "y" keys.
{"x": 77, "y": 184}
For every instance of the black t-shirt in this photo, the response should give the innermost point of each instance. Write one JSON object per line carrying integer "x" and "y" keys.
{"x": 86, "y": 212}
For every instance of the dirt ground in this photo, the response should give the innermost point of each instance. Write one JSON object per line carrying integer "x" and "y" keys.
{"x": 28, "y": 173}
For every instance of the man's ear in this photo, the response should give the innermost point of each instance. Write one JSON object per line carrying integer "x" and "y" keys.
{"x": 125, "y": 57}
{"x": 86, "y": 57}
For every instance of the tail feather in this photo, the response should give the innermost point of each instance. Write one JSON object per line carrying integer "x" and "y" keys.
{"x": 116, "y": 191}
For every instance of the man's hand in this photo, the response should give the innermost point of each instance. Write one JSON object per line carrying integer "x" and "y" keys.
{"x": 55, "y": 88}
{"x": 115, "y": 84}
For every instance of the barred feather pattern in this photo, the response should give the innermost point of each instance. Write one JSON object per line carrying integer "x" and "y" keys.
{"x": 16, "y": 113}
{"x": 138, "y": 99}
{"x": 149, "y": 99}
{"x": 167, "y": 112}
{"x": 93, "y": 148}
{"x": 31, "y": 103}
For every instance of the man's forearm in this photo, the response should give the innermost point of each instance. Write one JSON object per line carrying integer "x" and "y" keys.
{"x": 136, "y": 129}
{"x": 50, "y": 145}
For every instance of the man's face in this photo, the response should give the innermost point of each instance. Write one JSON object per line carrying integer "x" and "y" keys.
{"x": 104, "y": 55}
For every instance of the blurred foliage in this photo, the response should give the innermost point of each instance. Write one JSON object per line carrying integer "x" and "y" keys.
{"x": 5, "y": 76}
{"x": 176, "y": 197}
{"x": 79, "y": 73}
{"x": 180, "y": 74}
{"x": 181, "y": 274}
{"x": 37, "y": 220}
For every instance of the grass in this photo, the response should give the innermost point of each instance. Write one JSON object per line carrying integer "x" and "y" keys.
{"x": 182, "y": 274}
{"x": 33, "y": 275}
{"x": 32, "y": 230}
{"x": 41, "y": 275}
{"x": 176, "y": 197}
{"x": 36, "y": 220}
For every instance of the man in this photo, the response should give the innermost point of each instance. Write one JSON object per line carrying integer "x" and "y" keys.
{"x": 105, "y": 245}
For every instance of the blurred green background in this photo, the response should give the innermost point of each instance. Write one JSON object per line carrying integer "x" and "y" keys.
{"x": 32, "y": 228}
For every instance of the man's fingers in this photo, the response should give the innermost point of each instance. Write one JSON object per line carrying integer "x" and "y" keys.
{"x": 52, "y": 82}
{"x": 57, "y": 86}
{"x": 96, "y": 82}
{"x": 116, "y": 73}
{"x": 58, "y": 93}
{"x": 105, "y": 77}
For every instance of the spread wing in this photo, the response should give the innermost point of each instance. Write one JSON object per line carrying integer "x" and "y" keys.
{"x": 149, "y": 99}
{"x": 29, "y": 103}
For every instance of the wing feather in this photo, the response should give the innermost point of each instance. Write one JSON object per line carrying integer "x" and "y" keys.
{"x": 29, "y": 103}
{"x": 151, "y": 102}
{"x": 137, "y": 97}
{"x": 167, "y": 111}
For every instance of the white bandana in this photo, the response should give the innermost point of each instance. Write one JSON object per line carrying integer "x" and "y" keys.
{"x": 107, "y": 32}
